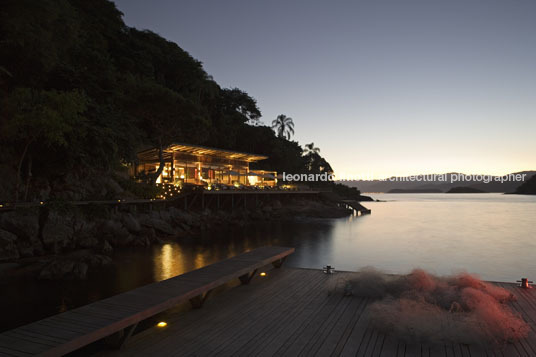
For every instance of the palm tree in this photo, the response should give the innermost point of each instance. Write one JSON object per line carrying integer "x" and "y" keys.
{"x": 284, "y": 126}
{"x": 310, "y": 149}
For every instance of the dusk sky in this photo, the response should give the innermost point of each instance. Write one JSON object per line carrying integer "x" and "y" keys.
{"x": 382, "y": 87}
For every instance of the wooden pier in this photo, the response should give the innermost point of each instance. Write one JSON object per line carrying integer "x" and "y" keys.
{"x": 117, "y": 317}
{"x": 356, "y": 206}
{"x": 300, "y": 312}
{"x": 284, "y": 312}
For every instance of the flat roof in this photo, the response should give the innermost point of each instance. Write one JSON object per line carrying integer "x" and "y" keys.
{"x": 199, "y": 150}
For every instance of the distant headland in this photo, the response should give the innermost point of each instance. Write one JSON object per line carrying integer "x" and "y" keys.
{"x": 444, "y": 183}
{"x": 463, "y": 189}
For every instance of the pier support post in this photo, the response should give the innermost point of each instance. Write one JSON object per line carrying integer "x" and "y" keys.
{"x": 119, "y": 339}
{"x": 277, "y": 264}
{"x": 246, "y": 278}
{"x": 198, "y": 301}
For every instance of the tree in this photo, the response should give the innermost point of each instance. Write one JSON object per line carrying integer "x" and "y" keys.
{"x": 284, "y": 126}
{"x": 311, "y": 149}
{"x": 165, "y": 117}
{"x": 39, "y": 115}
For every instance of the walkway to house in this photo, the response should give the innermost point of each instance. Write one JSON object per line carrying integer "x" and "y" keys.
{"x": 292, "y": 312}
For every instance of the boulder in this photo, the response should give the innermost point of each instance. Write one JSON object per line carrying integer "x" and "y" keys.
{"x": 141, "y": 241}
{"x": 267, "y": 209}
{"x": 58, "y": 232}
{"x": 163, "y": 215}
{"x": 130, "y": 223}
{"x": 114, "y": 232}
{"x": 184, "y": 217}
{"x": 57, "y": 269}
{"x": 159, "y": 225}
{"x": 106, "y": 248}
{"x": 276, "y": 204}
{"x": 79, "y": 271}
{"x": 25, "y": 225}
{"x": 162, "y": 226}
{"x": 97, "y": 260}
{"x": 87, "y": 241}
{"x": 8, "y": 246}
{"x": 112, "y": 186}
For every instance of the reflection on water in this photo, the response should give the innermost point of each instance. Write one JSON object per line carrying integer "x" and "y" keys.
{"x": 488, "y": 234}
{"x": 165, "y": 263}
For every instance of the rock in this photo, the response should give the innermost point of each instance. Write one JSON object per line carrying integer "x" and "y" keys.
{"x": 57, "y": 269}
{"x": 79, "y": 271}
{"x": 97, "y": 260}
{"x": 113, "y": 187}
{"x": 114, "y": 232}
{"x": 88, "y": 241}
{"x": 106, "y": 248}
{"x": 162, "y": 227}
{"x": 8, "y": 246}
{"x": 183, "y": 217}
{"x": 150, "y": 234}
{"x": 58, "y": 232}
{"x": 175, "y": 213}
{"x": 26, "y": 250}
{"x": 276, "y": 204}
{"x": 158, "y": 224}
{"x": 141, "y": 241}
{"x": 163, "y": 215}
{"x": 130, "y": 223}
{"x": 267, "y": 209}
{"x": 23, "y": 224}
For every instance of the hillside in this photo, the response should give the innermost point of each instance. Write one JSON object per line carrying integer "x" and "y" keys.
{"x": 441, "y": 182}
{"x": 82, "y": 93}
{"x": 528, "y": 187}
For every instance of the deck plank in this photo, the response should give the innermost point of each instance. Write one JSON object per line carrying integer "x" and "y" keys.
{"x": 389, "y": 347}
{"x": 249, "y": 342}
{"x": 258, "y": 321}
{"x": 340, "y": 331}
{"x": 287, "y": 324}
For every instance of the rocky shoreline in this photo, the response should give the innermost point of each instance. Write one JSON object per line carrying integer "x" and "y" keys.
{"x": 66, "y": 243}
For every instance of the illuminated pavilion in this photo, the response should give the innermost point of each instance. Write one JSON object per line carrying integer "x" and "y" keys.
{"x": 201, "y": 165}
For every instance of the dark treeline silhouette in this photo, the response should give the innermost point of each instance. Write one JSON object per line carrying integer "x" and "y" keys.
{"x": 528, "y": 187}
{"x": 82, "y": 92}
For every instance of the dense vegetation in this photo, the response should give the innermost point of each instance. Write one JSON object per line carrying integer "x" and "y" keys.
{"x": 82, "y": 93}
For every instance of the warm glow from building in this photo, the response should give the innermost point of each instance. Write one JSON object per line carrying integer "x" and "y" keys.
{"x": 162, "y": 324}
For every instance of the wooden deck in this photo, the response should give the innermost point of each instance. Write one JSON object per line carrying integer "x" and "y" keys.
{"x": 299, "y": 312}
{"x": 357, "y": 206}
{"x": 119, "y": 315}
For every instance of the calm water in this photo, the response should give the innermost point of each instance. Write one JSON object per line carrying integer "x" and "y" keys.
{"x": 491, "y": 235}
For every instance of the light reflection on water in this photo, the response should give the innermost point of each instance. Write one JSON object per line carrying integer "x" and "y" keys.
{"x": 489, "y": 234}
